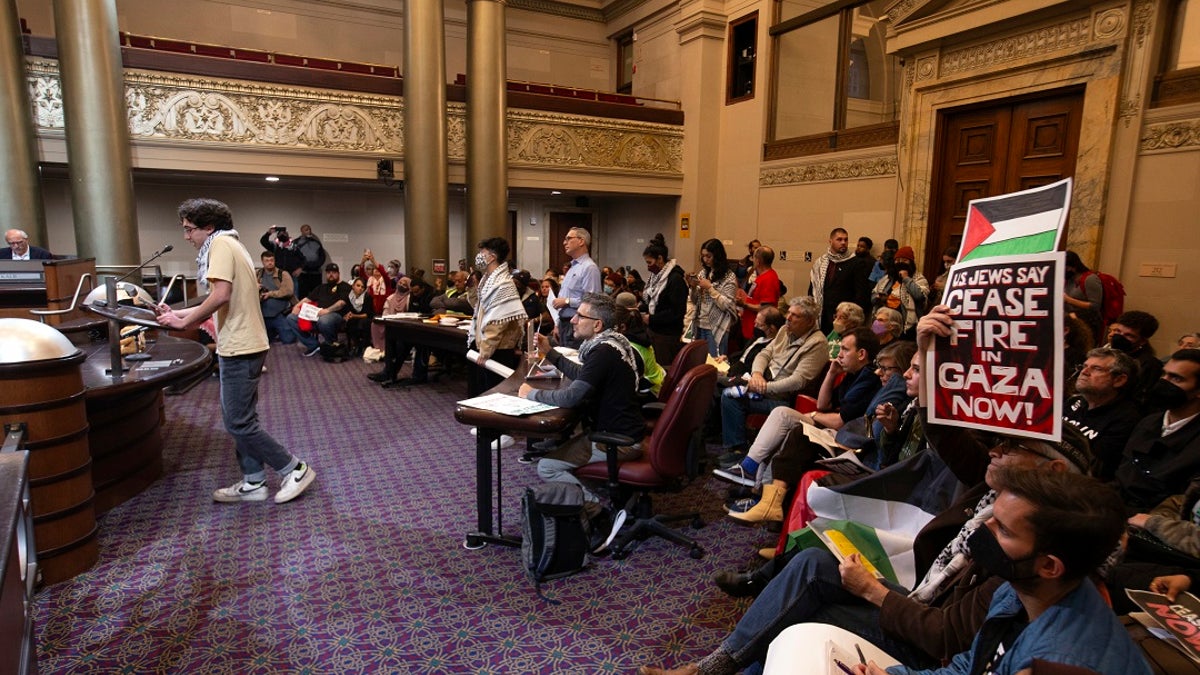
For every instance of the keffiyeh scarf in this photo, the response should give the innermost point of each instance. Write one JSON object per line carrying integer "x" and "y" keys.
{"x": 202, "y": 256}
{"x": 655, "y": 285}
{"x": 618, "y": 342}
{"x": 498, "y": 302}
{"x": 956, "y": 555}
{"x": 819, "y": 269}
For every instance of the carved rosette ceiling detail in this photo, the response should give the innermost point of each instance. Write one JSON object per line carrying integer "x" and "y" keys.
{"x": 1109, "y": 23}
{"x": 199, "y": 111}
{"x": 1171, "y": 135}
{"x": 820, "y": 172}
{"x": 1062, "y": 36}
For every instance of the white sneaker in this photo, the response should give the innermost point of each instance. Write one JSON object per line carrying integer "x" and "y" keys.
{"x": 241, "y": 491}
{"x": 505, "y": 441}
{"x": 297, "y": 480}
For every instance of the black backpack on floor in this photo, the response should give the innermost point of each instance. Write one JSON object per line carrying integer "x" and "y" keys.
{"x": 554, "y": 532}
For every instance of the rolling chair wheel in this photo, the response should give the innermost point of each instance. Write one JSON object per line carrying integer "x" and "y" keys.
{"x": 696, "y": 553}
{"x": 697, "y": 523}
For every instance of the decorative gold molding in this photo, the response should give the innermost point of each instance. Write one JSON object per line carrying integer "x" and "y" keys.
{"x": 1062, "y": 36}
{"x": 868, "y": 166}
{"x": 202, "y": 111}
{"x": 1173, "y": 135}
{"x": 564, "y": 9}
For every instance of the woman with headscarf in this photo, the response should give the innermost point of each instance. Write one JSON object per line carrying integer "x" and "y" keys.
{"x": 664, "y": 301}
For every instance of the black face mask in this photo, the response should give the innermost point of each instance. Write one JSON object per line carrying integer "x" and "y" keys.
{"x": 1165, "y": 395}
{"x": 1121, "y": 343}
{"x": 759, "y": 333}
{"x": 986, "y": 551}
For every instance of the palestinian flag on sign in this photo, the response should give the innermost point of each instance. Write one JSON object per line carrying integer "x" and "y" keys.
{"x": 1030, "y": 221}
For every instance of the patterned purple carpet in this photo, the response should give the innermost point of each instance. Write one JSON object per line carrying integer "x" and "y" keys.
{"x": 366, "y": 572}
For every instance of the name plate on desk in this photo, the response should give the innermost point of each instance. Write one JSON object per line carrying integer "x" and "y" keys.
{"x": 505, "y": 404}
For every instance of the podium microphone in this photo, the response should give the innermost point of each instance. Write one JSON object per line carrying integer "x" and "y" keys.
{"x": 157, "y": 254}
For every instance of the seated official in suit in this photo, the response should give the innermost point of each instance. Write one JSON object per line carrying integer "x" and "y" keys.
{"x": 19, "y": 248}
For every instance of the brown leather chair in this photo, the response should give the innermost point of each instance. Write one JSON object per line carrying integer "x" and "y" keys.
{"x": 662, "y": 467}
{"x": 693, "y": 354}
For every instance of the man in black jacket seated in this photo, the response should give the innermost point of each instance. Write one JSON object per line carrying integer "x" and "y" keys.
{"x": 602, "y": 389}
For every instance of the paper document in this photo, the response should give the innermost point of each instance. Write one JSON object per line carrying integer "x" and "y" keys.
{"x": 506, "y": 404}
{"x": 550, "y": 305}
{"x": 310, "y": 312}
{"x": 497, "y": 368}
{"x": 402, "y": 315}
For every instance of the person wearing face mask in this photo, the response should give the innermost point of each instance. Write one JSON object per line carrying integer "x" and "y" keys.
{"x": 1047, "y": 533}
{"x": 664, "y": 300}
{"x": 498, "y": 323}
{"x": 904, "y": 289}
{"x": 1131, "y": 333}
{"x": 1163, "y": 452}
{"x": 933, "y": 621}
{"x": 888, "y": 324}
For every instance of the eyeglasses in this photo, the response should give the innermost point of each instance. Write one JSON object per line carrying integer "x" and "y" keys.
{"x": 572, "y": 236}
{"x": 880, "y": 366}
{"x": 1008, "y": 446}
{"x": 585, "y": 316}
{"x": 188, "y": 229}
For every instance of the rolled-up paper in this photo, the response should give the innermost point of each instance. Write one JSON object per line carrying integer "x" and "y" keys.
{"x": 497, "y": 368}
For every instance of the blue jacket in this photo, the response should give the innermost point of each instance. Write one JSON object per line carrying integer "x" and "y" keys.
{"x": 1081, "y": 630}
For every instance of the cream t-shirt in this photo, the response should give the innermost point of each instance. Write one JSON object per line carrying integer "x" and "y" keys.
{"x": 240, "y": 327}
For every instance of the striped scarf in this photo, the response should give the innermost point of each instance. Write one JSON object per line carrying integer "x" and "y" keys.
{"x": 655, "y": 285}
{"x": 202, "y": 256}
{"x": 618, "y": 342}
{"x": 498, "y": 302}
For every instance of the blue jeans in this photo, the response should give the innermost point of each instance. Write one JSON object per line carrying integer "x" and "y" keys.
{"x": 810, "y": 589}
{"x": 256, "y": 449}
{"x": 281, "y": 327}
{"x": 715, "y": 348}
{"x": 328, "y": 326}
{"x": 734, "y": 412}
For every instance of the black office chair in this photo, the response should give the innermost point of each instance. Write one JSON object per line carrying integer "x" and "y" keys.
{"x": 662, "y": 466}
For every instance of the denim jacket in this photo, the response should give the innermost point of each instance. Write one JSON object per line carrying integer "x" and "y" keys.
{"x": 1080, "y": 630}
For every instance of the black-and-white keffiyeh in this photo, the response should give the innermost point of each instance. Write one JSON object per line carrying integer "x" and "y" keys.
{"x": 820, "y": 267}
{"x": 202, "y": 256}
{"x": 956, "y": 555}
{"x": 618, "y": 342}
{"x": 498, "y": 302}
{"x": 655, "y": 285}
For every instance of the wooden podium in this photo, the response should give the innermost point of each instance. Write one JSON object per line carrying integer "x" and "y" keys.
{"x": 43, "y": 284}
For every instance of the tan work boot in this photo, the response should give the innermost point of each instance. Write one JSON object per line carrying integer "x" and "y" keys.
{"x": 767, "y": 553}
{"x": 768, "y": 509}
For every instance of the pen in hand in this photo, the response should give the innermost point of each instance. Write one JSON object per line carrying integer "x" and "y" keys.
{"x": 861, "y": 659}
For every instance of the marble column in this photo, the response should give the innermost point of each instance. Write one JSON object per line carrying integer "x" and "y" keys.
{"x": 97, "y": 124}
{"x": 426, "y": 221}
{"x": 487, "y": 104}
{"x": 20, "y": 192}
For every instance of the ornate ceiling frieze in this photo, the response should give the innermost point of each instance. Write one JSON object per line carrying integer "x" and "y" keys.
{"x": 1070, "y": 34}
{"x": 1172, "y": 135}
{"x": 870, "y": 166}
{"x": 198, "y": 111}
{"x": 565, "y": 9}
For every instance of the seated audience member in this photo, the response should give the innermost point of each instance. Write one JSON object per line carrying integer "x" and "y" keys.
{"x": 275, "y": 298}
{"x": 1163, "y": 452}
{"x": 528, "y": 291}
{"x": 359, "y": 316}
{"x": 772, "y": 441}
{"x": 498, "y": 317}
{"x": 887, "y": 325}
{"x": 850, "y": 383}
{"x": 938, "y": 618}
{"x": 19, "y": 247}
{"x": 599, "y": 390}
{"x": 634, "y": 283}
{"x": 1077, "y": 342}
{"x": 1176, "y": 521}
{"x": 411, "y": 295}
{"x": 767, "y": 324}
{"x": 1102, "y": 408}
{"x": 763, "y": 289}
{"x": 614, "y": 284}
{"x": 1186, "y": 341}
{"x": 788, "y": 366}
{"x": 455, "y": 297}
{"x": 546, "y": 323}
{"x": 846, "y": 318}
{"x": 900, "y": 431}
{"x": 903, "y": 289}
{"x": 1131, "y": 333}
{"x": 629, "y": 324}
{"x": 1047, "y": 534}
{"x": 332, "y": 299}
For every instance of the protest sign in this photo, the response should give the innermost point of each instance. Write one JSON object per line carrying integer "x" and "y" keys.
{"x": 1001, "y": 370}
{"x": 1181, "y": 617}
{"x": 1029, "y": 221}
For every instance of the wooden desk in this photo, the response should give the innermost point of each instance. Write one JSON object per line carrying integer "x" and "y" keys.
{"x": 490, "y": 426}
{"x": 440, "y": 338}
{"x": 125, "y": 414}
{"x": 54, "y": 287}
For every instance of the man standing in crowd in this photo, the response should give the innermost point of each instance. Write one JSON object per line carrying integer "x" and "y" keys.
{"x": 583, "y": 277}
{"x": 838, "y": 276}
{"x": 332, "y": 299}
{"x": 762, "y": 292}
{"x": 1102, "y": 408}
{"x": 19, "y": 248}
{"x": 311, "y": 256}
{"x": 279, "y": 243}
{"x": 226, "y": 269}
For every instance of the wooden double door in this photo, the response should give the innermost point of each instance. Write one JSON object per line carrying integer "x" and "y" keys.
{"x": 995, "y": 149}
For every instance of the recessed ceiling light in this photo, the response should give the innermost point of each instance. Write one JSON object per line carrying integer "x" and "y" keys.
{"x": 272, "y": 179}
{"x": 555, "y": 192}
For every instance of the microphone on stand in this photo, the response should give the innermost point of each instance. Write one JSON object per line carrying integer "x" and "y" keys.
{"x": 157, "y": 254}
